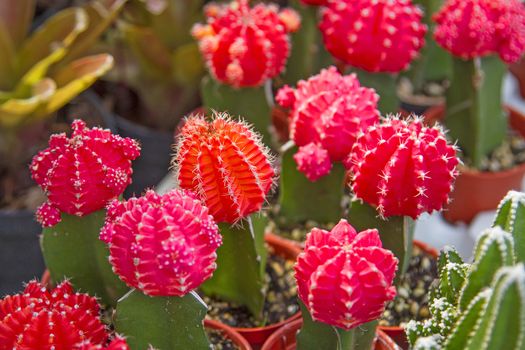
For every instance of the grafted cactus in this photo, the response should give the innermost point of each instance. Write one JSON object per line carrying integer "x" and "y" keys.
{"x": 471, "y": 304}
{"x": 511, "y": 217}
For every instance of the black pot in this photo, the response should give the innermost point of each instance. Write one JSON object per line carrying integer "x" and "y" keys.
{"x": 20, "y": 256}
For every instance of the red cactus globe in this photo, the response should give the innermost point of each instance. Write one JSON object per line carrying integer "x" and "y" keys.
{"x": 163, "y": 245}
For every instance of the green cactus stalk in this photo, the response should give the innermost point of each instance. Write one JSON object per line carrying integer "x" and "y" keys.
{"x": 474, "y": 114}
{"x": 164, "y": 323}
{"x": 72, "y": 250}
{"x": 511, "y": 217}
{"x": 385, "y": 86}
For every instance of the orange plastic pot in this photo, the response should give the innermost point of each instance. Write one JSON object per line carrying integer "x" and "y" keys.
{"x": 284, "y": 339}
{"x": 257, "y": 336}
{"x": 397, "y": 333}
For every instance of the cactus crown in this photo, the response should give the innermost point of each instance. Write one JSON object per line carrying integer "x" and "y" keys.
{"x": 472, "y": 303}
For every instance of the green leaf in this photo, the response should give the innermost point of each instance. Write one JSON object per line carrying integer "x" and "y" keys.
{"x": 474, "y": 115}
{"x": 248, "y": 103}
{"x": 239, "y": 276}
{"x": 72, "y": 249}
{"x": 16, "y": 16}
{"x": 301, "y": 200}
{"x": 164, "y": 323}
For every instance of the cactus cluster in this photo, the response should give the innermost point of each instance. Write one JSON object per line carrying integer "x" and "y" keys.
{"x": 344, "y": 277}
{"x": 163, "y": 245}
{"x": 403, "y": 167}
{"x": 58, "y": 319}
{"x": 376, "y": 36}
{"x": 475, "y": 28}
{"x": 479, "y": 305}
{"x": 245, "y": 46}
{"x": 224, "y": 162}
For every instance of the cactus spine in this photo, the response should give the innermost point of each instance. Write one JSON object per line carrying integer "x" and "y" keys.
{"x": 511, "y": 217}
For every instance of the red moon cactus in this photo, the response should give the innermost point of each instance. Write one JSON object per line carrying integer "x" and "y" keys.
{"x": 475, "y": 28}
{"x": 82, "y": 173}
{"x": 377, "y": 36}
{"x": 224, "y": 162}
{"x": 403, "y": 167}
{"x": 245, "y": 46}
{"x": 57, "y": 319}
{"x": 345, "y": 278}
{"x": 163, "y": 245}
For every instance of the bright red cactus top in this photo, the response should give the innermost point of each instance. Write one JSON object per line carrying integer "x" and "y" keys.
{"x": 57, "y": 319}
{"x": 163, "y": 245}
{"x": 475, "y": 28}
{"x": 245, "y": 46}
{"x": 80, "y": 174}
{"x": 314, "y": 2}
{"x": 329, "y": 110}
{"x": 225, "y": 163}
{"x": 343, "y": 277}
{"x": 403, "y": 167}
{"x": 377, "y": 36}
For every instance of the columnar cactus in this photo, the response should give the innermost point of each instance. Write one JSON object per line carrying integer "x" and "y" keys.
{"x": 511, "y": 217}
{"x": 403, "y": 168}
{"x": 244, "y": 46}
{"x": 225, "y": 164}
{"x": 82, "y": 173}
{"x": 58, "y": 319}
{"x": 163, "y": 245}
{"x": 329, "y": 110}
{"x": 343, "y": 277}
{"x": 377, "y": 36}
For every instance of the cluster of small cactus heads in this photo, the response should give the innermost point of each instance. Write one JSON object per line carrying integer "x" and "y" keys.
{"x": 473, "y": 306}
{"x": 58, "y": 319}
{"x": 476, "y": 28}
{"x": 403, "y": 167}
{"x": 164, "y": 245}
{"x": 376, "y": 36}
{"x": 343, "y": 277}
{"x": 224, "y": 162}
{"x": 244, "y": 46}
{"x": 327, "y": 113}
{"x": 82, "y": 173}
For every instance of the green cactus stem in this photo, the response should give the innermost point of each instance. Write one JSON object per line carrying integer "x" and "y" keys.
{"x": 452, "y": 271}
{"x": 511, "y": 217}
{"x": 474, "y": 115}
{"x": 301, "y": 200}
{"x": 72, "y": 250}
{"x": 250, "y": 104}
{"x": 397, "y": 232}
{"x": 385, "y": 86}
{"x": 316, "y": 335}
{"x": 241, "y": 261}
{"x": 163, "y": 323}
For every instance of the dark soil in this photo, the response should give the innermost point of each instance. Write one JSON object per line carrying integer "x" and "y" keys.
{"x": 280, "y": 304}
{"x": 219, "y": 341}
{"x": 411, "y": 301}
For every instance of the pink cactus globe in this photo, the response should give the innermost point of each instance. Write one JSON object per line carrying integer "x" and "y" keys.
{"x": 343, "y": 277}
{"x": 403, "y": 167}
{"x": 376, "y": 36}
{"x": 476, "y": 28}
{"x": 82, "y": 173}
{"x": 163, "y": 245}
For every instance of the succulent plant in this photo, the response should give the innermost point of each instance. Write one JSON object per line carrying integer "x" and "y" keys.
{"x": 80, "y": 175}
{"x": 57, "y": 319}
{"x": 163, "y": 245}
{"x": 511, "y": 217}
{"x": 471, "y": 303}
{"x": 344, "y": 278}
{"x": 474, "y": 31}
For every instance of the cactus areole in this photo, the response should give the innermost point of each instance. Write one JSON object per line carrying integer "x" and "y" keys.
{"x": 163, "y": 245}
{"x": 376, "y": 36}
{"x": 82, "y": 173}
{"x": 343, "y": 277}
{"x": 403, "y": 168}
{"x": 476, "y": 28}
{"x": 224, "y": 162}
{"x": 58, "y": 319}
{"x": 245, "y": 46}
{"x": 327, "y": 113}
